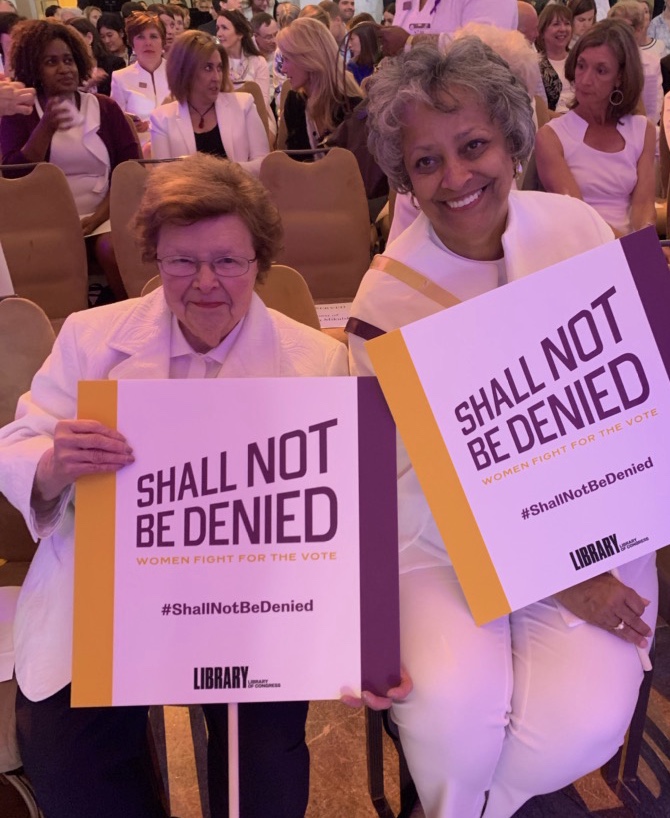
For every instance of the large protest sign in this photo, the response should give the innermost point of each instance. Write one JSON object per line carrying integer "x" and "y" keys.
{"x": 537, "y": 417}
{"x": 250, "y": 551}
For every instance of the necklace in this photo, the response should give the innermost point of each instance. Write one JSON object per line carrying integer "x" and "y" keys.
{"x": 202, "y": 115}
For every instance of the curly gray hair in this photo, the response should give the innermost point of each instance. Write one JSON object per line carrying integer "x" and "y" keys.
{"x": 422, "y": 76}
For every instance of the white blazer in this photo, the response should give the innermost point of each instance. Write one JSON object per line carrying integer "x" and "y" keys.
{"x": 130, "y": 339}
{"x": 242, "y": 132}
{"x": 134, "y": 81}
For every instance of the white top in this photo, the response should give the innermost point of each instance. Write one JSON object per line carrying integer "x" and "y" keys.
{"x": 446, "y": 16}
{"x": 567, "y": 91}
{"x": 658, "y": 28}
{"x": 606, "y": 180}
{"x": 87, "y": 173}
{"x": 652, "y": 92}
{"x": 251, "y": 69}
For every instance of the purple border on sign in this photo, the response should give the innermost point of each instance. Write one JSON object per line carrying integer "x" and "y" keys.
{"x": 378, "y": 515}
{"x": 652, "y": 280}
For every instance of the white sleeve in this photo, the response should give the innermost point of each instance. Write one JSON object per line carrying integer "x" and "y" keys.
{"x": 257, "y": 138}
{"x": 160, "y": 141}
{"x": 118, "y": 92}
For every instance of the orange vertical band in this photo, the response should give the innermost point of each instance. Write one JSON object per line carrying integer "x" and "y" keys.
{"x": 95, "y": 515}
{"x": 429, "y": 455}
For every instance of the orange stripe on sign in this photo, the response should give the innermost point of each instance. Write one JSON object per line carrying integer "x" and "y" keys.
{"x": 95, "y": 514}
{"x": 420, "y": 433}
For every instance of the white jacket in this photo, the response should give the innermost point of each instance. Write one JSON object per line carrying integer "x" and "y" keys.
{"x": 132, "y": 82}
{"x": 242, "y": 132}
{"x": 130, "y": 339}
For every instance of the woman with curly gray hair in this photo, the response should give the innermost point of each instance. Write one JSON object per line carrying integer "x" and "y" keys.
{"x": 524, "y": 704}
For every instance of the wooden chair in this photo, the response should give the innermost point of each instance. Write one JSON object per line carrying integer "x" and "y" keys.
{"x": 26, "y": 338}
{"x": 326, "y": 220}
{"x": 43, "y": 242}
{"x": 128, "y": 182}
{"x": 254, "y": 89}
{"x": 284, "y": 290}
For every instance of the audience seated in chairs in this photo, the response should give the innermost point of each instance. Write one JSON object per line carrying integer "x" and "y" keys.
{"x": 84, "y": 134}
{"x": 207, "y": 116}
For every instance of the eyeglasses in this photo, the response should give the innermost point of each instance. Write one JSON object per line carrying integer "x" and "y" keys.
{"x": 223, "y": 267}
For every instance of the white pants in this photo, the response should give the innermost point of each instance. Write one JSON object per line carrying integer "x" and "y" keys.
{"x": 522, "y": 706}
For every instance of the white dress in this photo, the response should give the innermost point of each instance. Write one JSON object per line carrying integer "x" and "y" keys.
{"x": 606, "y": 180}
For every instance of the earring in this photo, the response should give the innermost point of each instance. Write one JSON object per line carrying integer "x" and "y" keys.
{"x": 616, "y": 97}
{"x": 518, "y": 167}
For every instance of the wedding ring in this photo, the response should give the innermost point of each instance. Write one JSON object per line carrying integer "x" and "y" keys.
{"x": 620, "y": 626}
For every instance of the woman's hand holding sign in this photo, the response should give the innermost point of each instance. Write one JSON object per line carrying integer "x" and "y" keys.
{"x": 394, "y": 694}
{"x": 606, "y": 602}
{"x": 80, "y": 447}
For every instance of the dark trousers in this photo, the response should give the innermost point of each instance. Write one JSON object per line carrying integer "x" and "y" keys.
{"x": 94, "y": 762}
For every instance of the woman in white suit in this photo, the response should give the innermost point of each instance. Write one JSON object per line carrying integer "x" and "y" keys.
{"x": 142, "y": 86}
{"x": 207, "y": 116}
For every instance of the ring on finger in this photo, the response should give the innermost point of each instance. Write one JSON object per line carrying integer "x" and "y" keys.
{"x": 620, "y": 626}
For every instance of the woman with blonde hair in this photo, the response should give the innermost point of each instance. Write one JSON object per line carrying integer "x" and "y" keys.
{"x": 322, "y": 93}
{"x": 207, "y": 116}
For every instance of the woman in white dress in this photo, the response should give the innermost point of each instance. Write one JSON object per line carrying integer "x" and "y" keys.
{"x": 601, "y": 151}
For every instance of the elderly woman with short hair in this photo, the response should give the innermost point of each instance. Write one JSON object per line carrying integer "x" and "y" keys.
{"x": 524, "y": 704}
{"x": 214, "y": 232}
{"x": 207, "y": 116}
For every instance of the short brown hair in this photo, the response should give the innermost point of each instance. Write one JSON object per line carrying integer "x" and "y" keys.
{"x": 140, "y": 21}
{"x": 619, "y": 38}
{"x": 31, "y": 37}
{"x": 547, "y": 16}
{"x": 189, "y": 52}
{"x": 202, "y": 187}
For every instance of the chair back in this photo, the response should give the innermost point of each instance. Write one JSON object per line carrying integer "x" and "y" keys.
{"x": 128, "y": 182}
{"x": 284, "y": 290}
{"x": 43, "y": 242}
{"x": 326, "y": 220}
{"x": 254, "y": 89}
{"x": 26, "y": 338}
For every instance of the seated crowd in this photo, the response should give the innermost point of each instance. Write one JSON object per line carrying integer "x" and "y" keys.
{"x": 488, "y": 716}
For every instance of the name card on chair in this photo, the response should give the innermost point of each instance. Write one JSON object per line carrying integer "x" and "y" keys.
{"x": 537, "y": 417}
{"x": 250, "y": 553}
